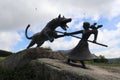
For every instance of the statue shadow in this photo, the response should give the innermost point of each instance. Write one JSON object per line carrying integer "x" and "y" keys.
{"x": 78, "y": 65}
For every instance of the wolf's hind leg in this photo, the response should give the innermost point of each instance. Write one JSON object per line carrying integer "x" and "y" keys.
{"x": 31, "y": 44}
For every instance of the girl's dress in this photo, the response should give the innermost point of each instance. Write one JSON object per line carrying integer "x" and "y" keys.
{"x": 81, "y": 51}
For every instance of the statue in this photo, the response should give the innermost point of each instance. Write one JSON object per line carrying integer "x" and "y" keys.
{"x": 48, "y": 33}
{"x": 81, "y": 51}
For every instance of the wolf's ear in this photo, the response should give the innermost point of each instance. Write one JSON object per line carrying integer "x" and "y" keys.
{"x": 59, "y": 16}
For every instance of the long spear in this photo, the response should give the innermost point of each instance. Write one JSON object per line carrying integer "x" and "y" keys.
{"x": 87, "y": 40}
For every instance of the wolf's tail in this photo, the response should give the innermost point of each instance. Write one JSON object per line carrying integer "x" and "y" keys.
{"x": 26, "y": 32}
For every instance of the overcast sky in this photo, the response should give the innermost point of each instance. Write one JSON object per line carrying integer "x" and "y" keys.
{"x": 15, "y": 15}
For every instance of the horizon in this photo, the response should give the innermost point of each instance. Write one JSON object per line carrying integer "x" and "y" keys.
{"x": 16, "y": 15}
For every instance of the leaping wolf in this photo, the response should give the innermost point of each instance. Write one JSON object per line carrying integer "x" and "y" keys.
{"x": 48, "y": 33}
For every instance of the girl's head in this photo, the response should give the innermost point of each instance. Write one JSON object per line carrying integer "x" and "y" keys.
{"x": 86, "y": 25}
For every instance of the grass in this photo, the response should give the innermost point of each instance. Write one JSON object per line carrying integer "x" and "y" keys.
{"x": 111, "y": 67}
{"x": 113, "y": 64}
{"x": 2, "y": 58}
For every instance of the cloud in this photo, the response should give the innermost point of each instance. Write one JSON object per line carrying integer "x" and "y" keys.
{"x": 92, "y": 8}
{"x": 110, "y": 38}
{"x": 62, "y": 43}
{"x": 110, "y": 53}
{"x": 17, "y": 14}
{"x": 9, "y": 39}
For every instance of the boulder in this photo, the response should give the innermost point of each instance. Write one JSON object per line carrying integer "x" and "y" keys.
{"x": 23, "y": 57}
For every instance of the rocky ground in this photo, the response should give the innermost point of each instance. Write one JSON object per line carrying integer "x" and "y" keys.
{"x": 74, "y": 71}
{"x": 24, "y": 57}
{"x": 50, "y": 65}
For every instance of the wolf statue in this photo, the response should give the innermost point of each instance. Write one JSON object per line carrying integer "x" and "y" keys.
{"x": 48, "y": 33}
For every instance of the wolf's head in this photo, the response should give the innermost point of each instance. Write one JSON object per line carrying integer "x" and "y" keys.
{"x": 63, "y": 22}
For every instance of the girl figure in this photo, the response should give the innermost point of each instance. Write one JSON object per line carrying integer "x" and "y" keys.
{"x": 81, "y": 51}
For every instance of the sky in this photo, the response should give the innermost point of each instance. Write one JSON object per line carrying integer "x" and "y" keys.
{"x": 15, "y": 15}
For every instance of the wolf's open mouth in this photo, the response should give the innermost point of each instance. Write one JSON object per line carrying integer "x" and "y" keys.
{"x": 64, "y": 23}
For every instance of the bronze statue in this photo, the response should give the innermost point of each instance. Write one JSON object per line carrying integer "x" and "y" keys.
{"x": 48, "y": 33}
{"x": 81, "y": 52}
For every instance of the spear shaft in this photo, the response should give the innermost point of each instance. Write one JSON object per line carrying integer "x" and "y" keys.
{"x": 87, "y": 40}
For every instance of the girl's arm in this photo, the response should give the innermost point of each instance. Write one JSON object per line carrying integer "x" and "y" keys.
{"x": 95, "y": 32}
{"x": 72, "y": 33}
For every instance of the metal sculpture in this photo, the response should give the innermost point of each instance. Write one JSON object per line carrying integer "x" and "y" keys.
{"x": 81, "y": 51}
{"x": 48, "y": 33}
